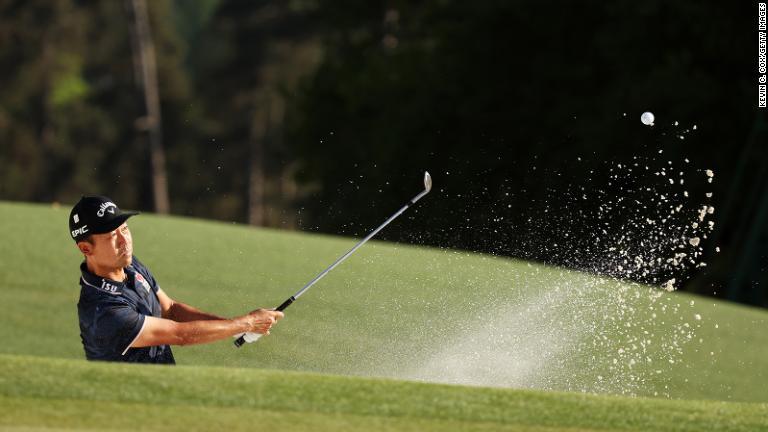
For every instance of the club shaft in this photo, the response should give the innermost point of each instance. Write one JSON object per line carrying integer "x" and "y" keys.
{"x": 241, "y": 340}
{"x": 357, "y": 246}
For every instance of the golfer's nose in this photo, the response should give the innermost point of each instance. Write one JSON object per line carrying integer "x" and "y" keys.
{"x": 122, "y": 239}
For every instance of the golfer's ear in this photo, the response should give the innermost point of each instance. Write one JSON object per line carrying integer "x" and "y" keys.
{"x": 85, "y": 247}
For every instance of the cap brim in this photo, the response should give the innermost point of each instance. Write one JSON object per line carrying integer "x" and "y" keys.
{"x": 116, "y": 222}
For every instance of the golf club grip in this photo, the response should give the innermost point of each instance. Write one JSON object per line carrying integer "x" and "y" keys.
{"x": 241, "y": 340}
{"x": 285, "y": 304}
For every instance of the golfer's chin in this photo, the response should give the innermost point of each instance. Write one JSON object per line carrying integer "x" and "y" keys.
{"x": 125, "y": 260}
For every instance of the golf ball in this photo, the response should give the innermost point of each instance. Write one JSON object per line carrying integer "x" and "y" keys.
{"x": 647, "y": 118}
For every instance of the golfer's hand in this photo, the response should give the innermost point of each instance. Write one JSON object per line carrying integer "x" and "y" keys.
{"x": 261, "y": 320}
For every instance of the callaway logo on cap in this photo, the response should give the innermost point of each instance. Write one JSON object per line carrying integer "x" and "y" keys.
{"x": 95, "y": 215}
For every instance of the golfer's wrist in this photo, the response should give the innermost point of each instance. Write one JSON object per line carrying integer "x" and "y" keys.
{"x": 244, "y": 324}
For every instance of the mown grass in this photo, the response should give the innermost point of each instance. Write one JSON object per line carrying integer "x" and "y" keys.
{"x": 393, "y": 310}
{"x": 45, "y": 393}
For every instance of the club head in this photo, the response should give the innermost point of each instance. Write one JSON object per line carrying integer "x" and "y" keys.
{"x": 427, "y": 182}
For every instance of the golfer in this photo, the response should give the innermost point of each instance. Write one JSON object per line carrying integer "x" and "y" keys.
{"x": 124, "y": 314}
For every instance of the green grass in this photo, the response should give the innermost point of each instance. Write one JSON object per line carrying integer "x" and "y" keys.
{"x": 44, "y": 394}
{"x": 389, "y": 311}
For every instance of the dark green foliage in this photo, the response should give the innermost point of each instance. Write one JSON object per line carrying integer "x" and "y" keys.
{"x": 354, "y": 99}
{"x": 501, "y": 98}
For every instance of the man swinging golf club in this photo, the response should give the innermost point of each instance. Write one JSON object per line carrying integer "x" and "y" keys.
{"x": 124, "y": 314}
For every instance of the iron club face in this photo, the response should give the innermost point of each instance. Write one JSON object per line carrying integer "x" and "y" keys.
{"x": 427, "y": 181}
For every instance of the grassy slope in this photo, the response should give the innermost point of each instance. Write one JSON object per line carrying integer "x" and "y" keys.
{"x": 38, "y": 393}
{"x": 387, "y": 310}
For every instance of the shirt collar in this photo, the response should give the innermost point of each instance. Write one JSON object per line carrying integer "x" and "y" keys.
{"x": 106, "y": 285}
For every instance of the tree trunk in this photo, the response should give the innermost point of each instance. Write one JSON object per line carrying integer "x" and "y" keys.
{"x": 256, "y": 175}
{"x": 153, "y": 121}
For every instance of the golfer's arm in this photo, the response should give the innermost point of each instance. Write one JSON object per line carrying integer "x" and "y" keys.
{"x": 160, "y": 331}
{"x": 181, "y": 312}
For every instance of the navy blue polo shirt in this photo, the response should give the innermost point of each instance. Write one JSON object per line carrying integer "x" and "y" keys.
{"x": 112, "y": 315}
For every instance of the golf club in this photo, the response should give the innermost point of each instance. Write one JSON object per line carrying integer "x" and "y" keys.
{"x": 253, "y": 337}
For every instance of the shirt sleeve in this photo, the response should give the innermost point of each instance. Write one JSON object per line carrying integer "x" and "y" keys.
{"x": 153, "y": 283}
{"x": 118, "y": 325}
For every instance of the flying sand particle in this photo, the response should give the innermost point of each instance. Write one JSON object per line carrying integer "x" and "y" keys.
{"x": 669, "y": 285}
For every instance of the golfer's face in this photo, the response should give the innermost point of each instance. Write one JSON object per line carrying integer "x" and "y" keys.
{"x": 113, "y": 249}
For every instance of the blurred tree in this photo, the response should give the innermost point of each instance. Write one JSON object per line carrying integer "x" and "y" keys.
{"x": 250, "y": 58}
{"x": 69, "y": 105}
{"x": 43, "y": 83}
{"x": 146, "y": 60}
